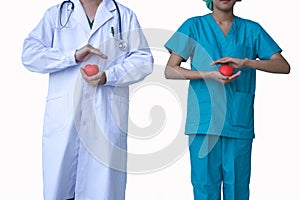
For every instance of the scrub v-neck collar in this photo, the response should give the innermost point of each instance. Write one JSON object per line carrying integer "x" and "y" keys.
{"x": 218, "y": 29}
{"x": 91, "y": 22}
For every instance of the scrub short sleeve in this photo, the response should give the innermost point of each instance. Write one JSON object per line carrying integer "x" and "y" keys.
{"x": 181, "y": 41}
{"x": 265, "y": 45}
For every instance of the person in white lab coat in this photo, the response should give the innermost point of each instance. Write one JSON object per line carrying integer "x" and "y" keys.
{"x": 65, "y": 40}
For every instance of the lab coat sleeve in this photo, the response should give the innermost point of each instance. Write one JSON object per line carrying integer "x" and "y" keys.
{"x": 38, "y": 53}
{"x": 138, "y": 62}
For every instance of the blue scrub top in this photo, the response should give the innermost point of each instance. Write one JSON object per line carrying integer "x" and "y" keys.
{"x": 214, "y": 108}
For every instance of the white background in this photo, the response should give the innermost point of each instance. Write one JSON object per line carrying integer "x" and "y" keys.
{"x": 275, "y": 169}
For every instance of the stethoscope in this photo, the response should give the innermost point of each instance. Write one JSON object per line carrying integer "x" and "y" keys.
{"x": 70, "y": 7}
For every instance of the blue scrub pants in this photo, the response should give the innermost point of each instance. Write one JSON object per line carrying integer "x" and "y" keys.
{"x": 222, "y": 160}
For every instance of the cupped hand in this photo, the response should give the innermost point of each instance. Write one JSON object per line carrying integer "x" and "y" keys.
{"x": 217, "y": 76}
{"x": 233, "y": 62}
{"x": 95, "y": 80}
{"x": 86, "y": 52}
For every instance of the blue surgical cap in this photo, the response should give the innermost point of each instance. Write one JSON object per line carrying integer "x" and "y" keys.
{"x": 210, "y": 5}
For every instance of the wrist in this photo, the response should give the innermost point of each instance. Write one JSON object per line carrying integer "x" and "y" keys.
{"x": 207, "y": 75}
{"x": 75, "y": 57}
{"x": 103, "y": 78}
{"x": 247, "y": 63}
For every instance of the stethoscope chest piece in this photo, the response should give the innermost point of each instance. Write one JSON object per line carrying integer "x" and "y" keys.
{"x": 122, "y": 45}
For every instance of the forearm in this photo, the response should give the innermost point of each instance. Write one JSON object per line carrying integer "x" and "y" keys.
{"x": 173, "y": 70}
{"x": 177, "y": 72}
{"x": 46, "y": 60}
{"x": 134, "y": 69}
{"x": 275, "y": 65}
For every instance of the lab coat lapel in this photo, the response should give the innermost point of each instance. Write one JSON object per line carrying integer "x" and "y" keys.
{"x": 80, "y": 16}
{"x": 103, "y": 14}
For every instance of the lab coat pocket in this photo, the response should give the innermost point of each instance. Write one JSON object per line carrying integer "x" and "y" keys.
{"x": 55, "y": 119}
{"x": 242, "y": 110}
{"x": 119, "y": 106}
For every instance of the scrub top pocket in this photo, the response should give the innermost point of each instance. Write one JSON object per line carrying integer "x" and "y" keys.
{"x": 245, "y": 83}
{"x": 242, "y": 110}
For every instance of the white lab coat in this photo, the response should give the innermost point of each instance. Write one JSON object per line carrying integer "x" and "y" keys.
{"x": 71, "y": 163}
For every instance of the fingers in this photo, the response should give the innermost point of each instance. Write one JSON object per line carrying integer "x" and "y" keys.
{"x": 98, "y": 53}
{"x": 233, "y": 62}
{"x": 85, "y": 53}
{"x": 93, "y": 50}
{"x": 95, "y": 80}
{"x": 228, "y": 79}
{"x": 234, "y": 76}
{"x": 224, "y": 60}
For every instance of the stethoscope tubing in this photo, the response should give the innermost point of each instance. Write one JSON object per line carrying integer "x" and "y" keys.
{"x": 60, "y": 12}
{"x": 120, "y": 21}
{"x": 72, "y": 9}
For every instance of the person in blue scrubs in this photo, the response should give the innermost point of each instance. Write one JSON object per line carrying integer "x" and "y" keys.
{"x": 220, "y": 109}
